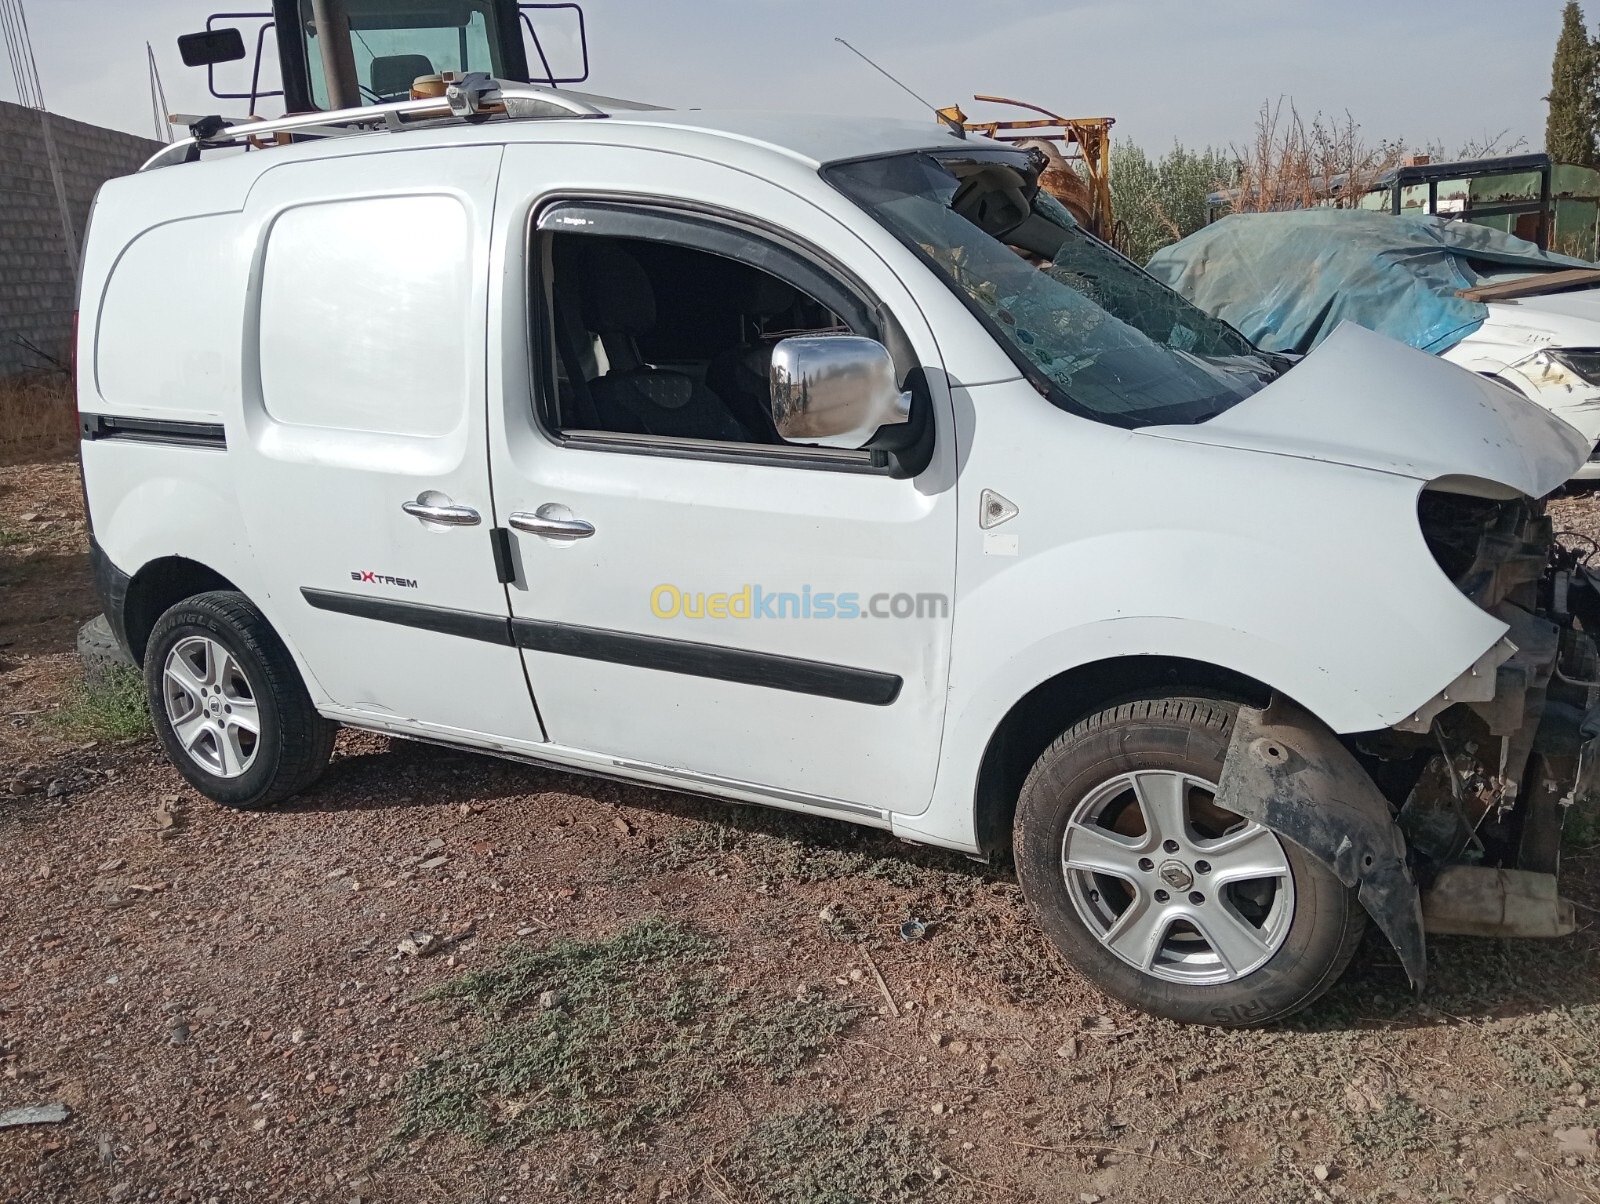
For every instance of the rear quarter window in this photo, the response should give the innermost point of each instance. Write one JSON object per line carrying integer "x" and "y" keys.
{"x": 365, "y": 315}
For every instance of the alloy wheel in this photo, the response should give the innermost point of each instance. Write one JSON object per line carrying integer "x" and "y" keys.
{"x": 211, "y": 706}
{"x": 1174, "y": 885}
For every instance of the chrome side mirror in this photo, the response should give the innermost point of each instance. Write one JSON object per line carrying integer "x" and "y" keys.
{"x": 835, "y": 390}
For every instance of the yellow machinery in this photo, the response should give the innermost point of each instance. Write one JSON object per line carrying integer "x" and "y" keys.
{"x": 1086, "y": 140}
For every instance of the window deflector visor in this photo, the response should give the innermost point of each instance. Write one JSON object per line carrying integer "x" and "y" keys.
{"x": 619, "y": 219}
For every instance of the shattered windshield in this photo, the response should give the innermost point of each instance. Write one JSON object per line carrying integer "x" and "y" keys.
{"x": 1100, "y": 337}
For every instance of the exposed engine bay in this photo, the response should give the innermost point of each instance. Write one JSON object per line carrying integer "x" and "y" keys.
{"x": 1451, "y": 821}
{"x": 1487, "y": 773}
{"x": 1484, "y": 776}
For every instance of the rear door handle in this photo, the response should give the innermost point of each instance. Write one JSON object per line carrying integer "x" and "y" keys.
{"x": 429, "y": 509}
{"x": 553, "y": 521}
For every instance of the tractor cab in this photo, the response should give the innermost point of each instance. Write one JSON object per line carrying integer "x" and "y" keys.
{"x": 342, "y": 54}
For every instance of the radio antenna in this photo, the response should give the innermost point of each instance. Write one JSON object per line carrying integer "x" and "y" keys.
{"x": 956, "y": 127}
{"x": 158, "y": 98}
{"x": 883, "y": 73}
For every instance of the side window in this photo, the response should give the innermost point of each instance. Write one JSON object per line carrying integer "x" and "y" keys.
{"x": 656, "y": 338}
{"x": 366, "y": 315}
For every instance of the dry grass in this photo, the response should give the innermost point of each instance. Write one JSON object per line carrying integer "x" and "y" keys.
{"x": 38, "y": 417}
{"x": 1291, "y": 163}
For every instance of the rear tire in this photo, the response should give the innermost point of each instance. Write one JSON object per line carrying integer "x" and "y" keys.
{"x": 1160, "y": 898}
{"x": 229, "y": 706}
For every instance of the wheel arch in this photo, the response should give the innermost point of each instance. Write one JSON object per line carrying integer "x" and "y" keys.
{"x": 159, "y": 585}
{"x": 1055, "y": 704}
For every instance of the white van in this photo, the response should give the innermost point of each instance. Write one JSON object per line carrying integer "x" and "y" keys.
{"x": 825, "y": 464}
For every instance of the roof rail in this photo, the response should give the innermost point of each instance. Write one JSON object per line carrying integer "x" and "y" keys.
{"x": 474, "y": 96}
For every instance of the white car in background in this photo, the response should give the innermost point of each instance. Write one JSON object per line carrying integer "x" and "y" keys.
{"x": 1547, "y": 347}
{"x": 1478, "y": 297}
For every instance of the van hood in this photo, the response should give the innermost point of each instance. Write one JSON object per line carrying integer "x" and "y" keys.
{"x": 1370, "y": 402}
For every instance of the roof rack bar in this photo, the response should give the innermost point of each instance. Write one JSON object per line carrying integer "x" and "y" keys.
{"x": 472, "y": 96}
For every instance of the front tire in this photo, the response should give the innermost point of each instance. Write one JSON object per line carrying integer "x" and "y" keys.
{"x": 1160, "y": 897}
{"x": 228, "y": 704}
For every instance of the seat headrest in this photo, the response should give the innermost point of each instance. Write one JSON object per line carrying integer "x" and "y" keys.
{"x": 763, "y": 296}
{"x": 617, "y": 297}
{"x": 392, "y": 74}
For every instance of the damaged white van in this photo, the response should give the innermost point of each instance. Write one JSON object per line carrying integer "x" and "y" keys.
{"x": 827, "y": 465}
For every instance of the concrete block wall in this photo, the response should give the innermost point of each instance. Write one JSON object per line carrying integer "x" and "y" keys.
{"x": 50, "y": 168}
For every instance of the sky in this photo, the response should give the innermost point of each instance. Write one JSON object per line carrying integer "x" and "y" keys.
{"x": 1421, "y": 71}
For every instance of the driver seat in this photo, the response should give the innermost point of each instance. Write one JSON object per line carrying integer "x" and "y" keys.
{"x": 619, "y": 304}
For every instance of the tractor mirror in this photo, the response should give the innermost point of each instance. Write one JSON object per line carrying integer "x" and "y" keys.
{"x": 210, "y": 47}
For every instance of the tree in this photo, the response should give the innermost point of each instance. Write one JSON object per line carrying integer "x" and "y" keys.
{"x": 1159, "y": 201}
{"x": 1569, "y": 132}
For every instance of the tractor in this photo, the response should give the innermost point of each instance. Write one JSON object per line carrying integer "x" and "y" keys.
{"x": 342, "y": 54}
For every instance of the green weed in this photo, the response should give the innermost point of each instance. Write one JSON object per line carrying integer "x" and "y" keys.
{"x": 1394, "y": 1129}
{"x": 606, "y": 1037}
{"x": 816, "y": 1156}
{"x": 112, "y": 709}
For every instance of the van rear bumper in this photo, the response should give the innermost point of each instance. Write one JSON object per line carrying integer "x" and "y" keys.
{"x": 111, "y": 587}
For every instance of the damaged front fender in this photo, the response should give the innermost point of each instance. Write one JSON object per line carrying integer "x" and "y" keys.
{"x": 1286, "y": 769}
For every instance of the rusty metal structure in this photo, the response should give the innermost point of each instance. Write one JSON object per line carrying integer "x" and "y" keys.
{"x": 1085, "y": 140}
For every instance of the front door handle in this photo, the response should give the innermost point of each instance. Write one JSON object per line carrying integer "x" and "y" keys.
{"x": 553, "y": 521}
{"x": 432, "y": 507}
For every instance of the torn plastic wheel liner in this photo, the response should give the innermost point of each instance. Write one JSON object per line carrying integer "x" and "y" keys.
{"x": 1286, "y": 769}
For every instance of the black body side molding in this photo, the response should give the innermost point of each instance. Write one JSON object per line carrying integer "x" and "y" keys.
{"x": 765, "y": 669}
{"x": 491, "y": 629}
{"x": 709, "y": 660}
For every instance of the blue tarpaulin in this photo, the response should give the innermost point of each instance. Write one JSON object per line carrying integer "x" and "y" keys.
{"x": 1285, "y": 280}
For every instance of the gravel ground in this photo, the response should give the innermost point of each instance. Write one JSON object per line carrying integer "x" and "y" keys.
{"x": 237, "y": 1007}
{"x": 1578, "y": 514}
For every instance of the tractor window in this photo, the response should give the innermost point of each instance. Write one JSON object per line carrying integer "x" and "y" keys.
{"x": 395, "y": 41}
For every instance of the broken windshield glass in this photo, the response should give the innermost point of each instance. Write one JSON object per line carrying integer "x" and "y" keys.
{"x": 1100, "y": 337}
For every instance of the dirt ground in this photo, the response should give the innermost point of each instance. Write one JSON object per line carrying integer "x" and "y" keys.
{"x": 654, "y": 997}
